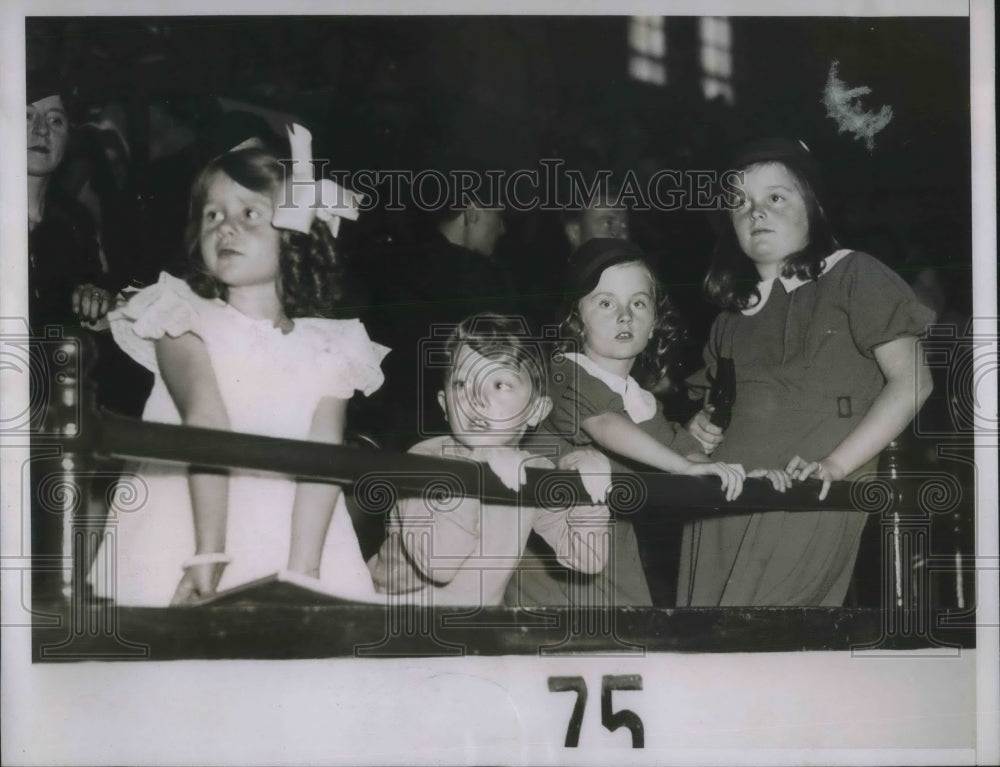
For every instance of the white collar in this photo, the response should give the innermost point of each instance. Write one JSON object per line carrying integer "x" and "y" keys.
{"x": 639, "y": 403}
{"x": 790, "y": 283}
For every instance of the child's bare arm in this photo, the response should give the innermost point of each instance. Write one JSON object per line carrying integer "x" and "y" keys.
{"x": 187, "y": 371}
{"x": 314, "y": 501}
{"x": 908, "y": 385}
{"x": 617, "y": 433}
{"x": 190, "y": 379}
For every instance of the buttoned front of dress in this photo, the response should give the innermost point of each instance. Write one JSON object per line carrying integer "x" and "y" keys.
{"x": 805, "y": 365}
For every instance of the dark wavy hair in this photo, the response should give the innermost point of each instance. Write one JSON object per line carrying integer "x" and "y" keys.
{"x": 660, "y": 357}
{"x": 731, "y": 282}
{"x": 311, "y": 275}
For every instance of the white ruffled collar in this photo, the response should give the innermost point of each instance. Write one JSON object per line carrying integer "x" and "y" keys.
{"x": 639, "y": 403}
{"x": 790, "y": 283}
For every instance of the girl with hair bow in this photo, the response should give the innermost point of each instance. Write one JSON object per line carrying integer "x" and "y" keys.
{"x": 244, "y": 344}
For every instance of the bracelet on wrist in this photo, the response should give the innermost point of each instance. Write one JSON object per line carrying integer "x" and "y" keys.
{"x": 213, "y": 558}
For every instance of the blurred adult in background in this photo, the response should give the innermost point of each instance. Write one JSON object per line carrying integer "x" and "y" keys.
{"x": 421, "y": 290}
{"x": 84, "y": 244}
{"x": 66, "y": 279}
{"x": 601, "y": 215}
{"x": 97, "y": 172}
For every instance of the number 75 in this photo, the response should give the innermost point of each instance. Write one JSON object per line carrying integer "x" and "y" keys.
{"x": 612, "y": 720}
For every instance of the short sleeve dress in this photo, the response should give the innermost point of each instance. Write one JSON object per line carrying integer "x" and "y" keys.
{"x": 576, "y": 396}
{"x": 271, "y": 383}
{"x": 806, "y": 374}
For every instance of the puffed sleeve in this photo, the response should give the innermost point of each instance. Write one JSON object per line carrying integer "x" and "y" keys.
{"x": 881, "y": 306}
{"x": 345, "y": 357}
{"x": 169, "y": 307}
{"x": 672, "y": 434}
{"x": 576, "y": 396}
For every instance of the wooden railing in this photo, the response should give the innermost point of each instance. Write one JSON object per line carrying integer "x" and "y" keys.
{"x": 84, "y": 438}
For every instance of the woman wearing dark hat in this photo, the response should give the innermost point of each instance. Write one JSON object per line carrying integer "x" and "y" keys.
{"x": 824, "y": 345}
{"x": 65, "y": 273}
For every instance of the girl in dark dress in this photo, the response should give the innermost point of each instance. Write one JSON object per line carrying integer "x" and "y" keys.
{"x": 618, "y": 316}
{"x": 824, "y": 342}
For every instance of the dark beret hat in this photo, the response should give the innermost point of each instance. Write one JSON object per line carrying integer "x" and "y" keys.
{"x": 42, "y": 83}
{"x": 792, "y": 153}
{"x": 589, "y": 261}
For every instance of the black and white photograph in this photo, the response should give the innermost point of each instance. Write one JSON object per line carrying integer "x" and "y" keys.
{"x": 385, "y": 384}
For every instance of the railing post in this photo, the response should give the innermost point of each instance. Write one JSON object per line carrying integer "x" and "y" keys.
{"x": 83, "y": 528}
{"x": 907, "y": 607}
{"x": 58, "y": 491}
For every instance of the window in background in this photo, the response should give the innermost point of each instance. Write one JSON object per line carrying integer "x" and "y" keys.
{"x": 716, "y": 57}
{"x": 647, "y": 43}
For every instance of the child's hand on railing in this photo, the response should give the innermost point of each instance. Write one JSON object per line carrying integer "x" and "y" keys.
{"x": 827, "y": 470}
{"x": 780, "y": 479}
{"x": 731, "y": 474}
{"x": 594, "y": 469}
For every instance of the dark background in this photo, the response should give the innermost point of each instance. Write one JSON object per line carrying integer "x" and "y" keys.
{"x": 404, "y": 92}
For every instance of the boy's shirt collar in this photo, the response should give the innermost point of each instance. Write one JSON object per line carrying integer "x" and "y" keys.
{"x": 639, "y": 403}
{"x": 790, "y": 283}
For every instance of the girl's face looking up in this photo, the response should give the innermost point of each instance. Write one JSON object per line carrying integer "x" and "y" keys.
{"x": 618, "y": 317}
{"x": 773, "y": 221}
{"x": 238, "y": 243}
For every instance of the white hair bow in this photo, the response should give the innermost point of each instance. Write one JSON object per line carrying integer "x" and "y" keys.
{"x": 305, "y": 199}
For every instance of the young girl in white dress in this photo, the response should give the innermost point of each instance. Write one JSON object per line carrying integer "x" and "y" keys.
{"x": 240, "y": 346}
